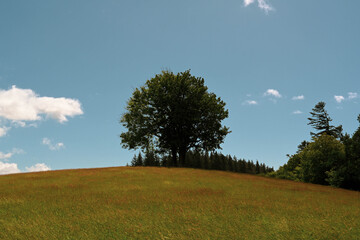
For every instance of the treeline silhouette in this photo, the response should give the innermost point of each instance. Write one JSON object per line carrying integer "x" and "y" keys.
{"x": 330, "y": 158}
{"x": 213, "y": 161}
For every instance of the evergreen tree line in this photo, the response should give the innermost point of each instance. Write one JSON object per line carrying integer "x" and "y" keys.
{"x": 330, "y": 158}
{"x": 194, "y": 159}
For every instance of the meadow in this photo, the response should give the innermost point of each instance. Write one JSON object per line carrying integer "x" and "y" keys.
{"x": 172, "y": 203}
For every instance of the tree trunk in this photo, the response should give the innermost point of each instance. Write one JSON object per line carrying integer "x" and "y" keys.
{"x": 182, "y": 154}
{"x": 174, "y": 157}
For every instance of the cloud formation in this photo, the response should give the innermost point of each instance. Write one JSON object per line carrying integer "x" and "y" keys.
{"x": 250, "y": 102}
{"x": 53, "y": 147}
{"x": 10, "y": 154}
{"x": 339, "y": 99}
{"x": 248, "y": 2}
{"x": 3, "y": 131}
{"x": 352, "y": 95}
{"x": 297, "y": 112}
{"x": 5, "y": 155}
{"x": 39, "y": 167}
{"x": 272, "y": 92}
{"x": 8, "y": 168}
{"x": 18, "y": 104}
{"x": 300, "y": 97}
{"x": 262, "y": 4}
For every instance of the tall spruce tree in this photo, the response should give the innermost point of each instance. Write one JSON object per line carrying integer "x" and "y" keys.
{"x": 320, "y": 120}
{"x": 257, "y": 167}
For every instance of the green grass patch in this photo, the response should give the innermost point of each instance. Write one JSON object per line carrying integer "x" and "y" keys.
{"x": 171, "y": 203}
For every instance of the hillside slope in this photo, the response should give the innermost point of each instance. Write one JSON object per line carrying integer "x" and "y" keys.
{"x": 163, "y": 203}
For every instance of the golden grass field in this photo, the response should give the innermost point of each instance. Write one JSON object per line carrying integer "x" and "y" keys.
{"x": 171, "y": 203}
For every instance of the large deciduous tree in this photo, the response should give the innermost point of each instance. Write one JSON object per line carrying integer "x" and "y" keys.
{"x": 174, "y": 113}
{"x": 321, "y": 157}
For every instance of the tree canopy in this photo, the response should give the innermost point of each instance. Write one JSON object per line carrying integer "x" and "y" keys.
{"x": 331, "y": 158}
{"x": 320, "y": 120}
{"x": 174, "y": 113}
{"x": 321, "y": 156}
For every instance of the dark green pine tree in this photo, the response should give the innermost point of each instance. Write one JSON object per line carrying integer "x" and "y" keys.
{"x": 149, "y": 158}
{"x": 139, "y": 160}
{"x": 320, "y": 120}
{"x": 242, "y": 166}
{"x": 133, "y": 161}
{"x": 250, "y": 167}
{"x": 257, "y": 167}
{"x": 231, "y": 163}
{"x": 224, "y": 164}
{"x": 263, "y": 168}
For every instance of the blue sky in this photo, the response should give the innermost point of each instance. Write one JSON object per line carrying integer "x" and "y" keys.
{"x": 67, "y": 69}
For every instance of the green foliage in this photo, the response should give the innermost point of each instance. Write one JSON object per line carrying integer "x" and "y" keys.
{"x": 320, "y": 120}
{"x": 325, "y": 160}
{"x": 284, "y": 173}
{"x": 174, "y": 113}
{"x": 324, "y": 154}
{"x": 302, "y": 146}
{"x": 137, "y": 160}
{"x": 352, "y": 164}
{"x": 151, "y": 159}
{"x": 195, "y": 159}
{"x": 335, "y": 177}
{"x": 319, "y": 162}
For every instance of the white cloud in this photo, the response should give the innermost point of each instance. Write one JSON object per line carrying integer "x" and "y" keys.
{"x": 25, "y": 105}
{"x": 248, "y": 2}
{"x": 262, "y": 4}
{"x": 39, "y": 167}
{"x": 300, "y": 97}
{"x": 3, "y": 131}
{"x": 297, "y": 112}
{"x": 250, "y": 102}
{"x": 339, "y": 99}
{"x": 19, "y": 123}
{"x": 53, "y": 147}
{"x": 8, "y": 168}
{"x": 353, "y": 95}
{"x": 5, "y": 155}
{"x": 272, "y": 92}
{"x": 10, "y": 154}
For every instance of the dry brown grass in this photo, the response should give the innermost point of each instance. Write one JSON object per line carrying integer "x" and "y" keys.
{"x": 170, "y": 203}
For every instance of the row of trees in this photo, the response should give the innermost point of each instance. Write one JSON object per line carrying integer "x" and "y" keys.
{"x": 331, "y": 158}
{"x": 175, "y": 115}
{"x": 175, "y": 121}
{"x": 194, "y": 159}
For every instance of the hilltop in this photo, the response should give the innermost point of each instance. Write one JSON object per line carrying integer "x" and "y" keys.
{"x": 171, "y": 203}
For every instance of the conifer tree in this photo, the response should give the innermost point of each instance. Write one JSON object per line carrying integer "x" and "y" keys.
{"x": 257, "y": 167}
{"x": 320, "y": 120}
{"x": 139, "y": 160}
{"x": 133, "y": 161}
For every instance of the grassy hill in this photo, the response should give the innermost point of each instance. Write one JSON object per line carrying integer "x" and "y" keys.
{"x": 163, "y": 203}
